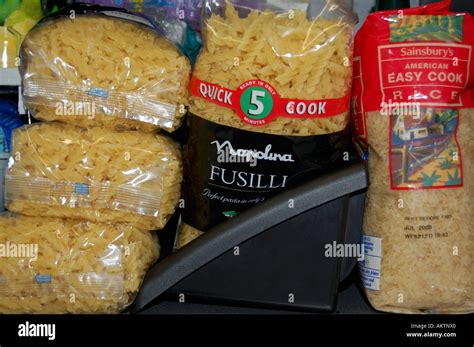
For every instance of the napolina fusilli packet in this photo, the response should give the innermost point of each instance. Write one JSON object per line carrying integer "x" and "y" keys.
{"x": 269, "y": 104}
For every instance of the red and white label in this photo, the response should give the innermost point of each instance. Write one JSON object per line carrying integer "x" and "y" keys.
{"x": 432, "y": 74}
{"x": 257, "y": 102}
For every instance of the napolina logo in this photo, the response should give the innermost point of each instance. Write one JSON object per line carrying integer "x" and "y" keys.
{"x": 227, "y": 154}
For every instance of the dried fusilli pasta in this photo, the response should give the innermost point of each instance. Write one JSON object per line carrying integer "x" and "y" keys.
{"x": 50, "y": 265}
{"x": 302, "y": 58}
{"x": 186, "y": 234}
{"x": 96, "y": 174}
{"x": 96, "y": 70}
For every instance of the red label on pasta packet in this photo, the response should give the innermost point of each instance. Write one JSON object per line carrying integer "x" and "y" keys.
{"x": 257, "y": 102}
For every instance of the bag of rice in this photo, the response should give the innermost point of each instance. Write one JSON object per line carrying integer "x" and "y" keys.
{"x": 50, "y": 265}
{"x": 94, "y": 66}
{"x": 413, "y": 106}
{"x": 96, "y": 174}
{"x": 270, "y": 106}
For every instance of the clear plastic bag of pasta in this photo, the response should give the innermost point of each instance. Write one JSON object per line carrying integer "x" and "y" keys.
{"x": 269, "y": 104}
{"x": 95, "y": 66}
{"x": 52, "y": 265}
{"x": 303, "y": 53}
{"x": 96, "y": 174}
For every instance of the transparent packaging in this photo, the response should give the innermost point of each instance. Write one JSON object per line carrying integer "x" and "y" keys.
{"x": 302, "y": 50}
{"x": 97, "y": 174}
{"x": 8, "y": 48}
{"x": 17, "y": 17}
{"x": 426, "y": 234}
{"x": 103, "y": 69}
{"x": 185, "y": 235}
{"x": 52, "y": 265}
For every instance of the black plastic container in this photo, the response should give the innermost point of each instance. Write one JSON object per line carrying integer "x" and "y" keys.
{"x": 272, "y": 255}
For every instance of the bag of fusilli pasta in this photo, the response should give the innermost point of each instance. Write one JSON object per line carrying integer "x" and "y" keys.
{"x": 269, "y": 105}
{"x": 96, "y": 174}
{"x": 98, "y": 66}
{"x": 50, "y": 265}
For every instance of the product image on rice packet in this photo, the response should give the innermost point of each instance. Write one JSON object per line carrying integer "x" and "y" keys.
{"x": 52, "y": 265}
{"x": 104, "y": 67}
{"x": 97, "y": 174}
{"x": 413, "y": 114}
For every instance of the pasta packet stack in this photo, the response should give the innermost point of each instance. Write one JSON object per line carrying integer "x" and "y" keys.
{"x": 51, "y": 265}
{"x": 103, "y": 67}
{"x": 95, "y": 174}
{"x": 270, "y": 97}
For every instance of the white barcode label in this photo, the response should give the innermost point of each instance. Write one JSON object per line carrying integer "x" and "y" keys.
{"x": 370, "y": 266}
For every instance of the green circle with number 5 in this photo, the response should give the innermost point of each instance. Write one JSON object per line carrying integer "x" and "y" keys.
{"x": 256, "y": 102}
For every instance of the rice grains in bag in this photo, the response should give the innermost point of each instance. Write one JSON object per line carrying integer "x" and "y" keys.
{"x": 269, "y": 106}
{"x": 413, "y": 105}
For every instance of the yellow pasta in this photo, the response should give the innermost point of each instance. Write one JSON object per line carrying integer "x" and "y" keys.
{"x": 50, "y": 265}
{"x": 104, "y": 71}
{"x": 96, "y": 174}
{"x": 302, "y": 58}
{"x": 186, "y": 234}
